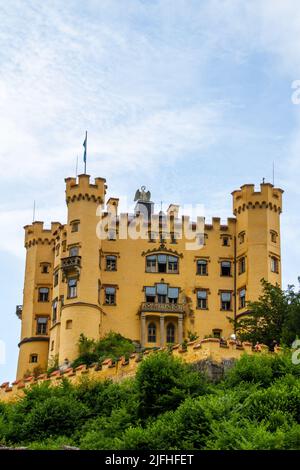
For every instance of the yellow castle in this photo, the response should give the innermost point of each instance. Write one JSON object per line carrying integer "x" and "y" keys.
{"x": 154, "y": 278}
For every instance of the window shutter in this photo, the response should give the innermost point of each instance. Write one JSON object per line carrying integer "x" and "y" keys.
{"x": 173, "y": 292}
{"x": 162, "y": 289}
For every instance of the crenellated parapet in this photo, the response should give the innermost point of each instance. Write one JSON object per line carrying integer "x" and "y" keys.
{"x": 37, "y": 234}
{"x": 81, "y": 188}
{"x": 194, "y": 351}
{"x": 247, "y": 198}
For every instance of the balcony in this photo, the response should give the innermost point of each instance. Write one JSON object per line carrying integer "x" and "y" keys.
{"x": 162, "y": 308}
{"x": 19, "y": 309}
{"x": 71, "y": 265}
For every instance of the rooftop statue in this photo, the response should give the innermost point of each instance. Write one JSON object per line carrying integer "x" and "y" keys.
{"x": 142, "y": 195}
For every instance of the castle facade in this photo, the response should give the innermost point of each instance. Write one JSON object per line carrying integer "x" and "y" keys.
{"x": 154, "y": 278}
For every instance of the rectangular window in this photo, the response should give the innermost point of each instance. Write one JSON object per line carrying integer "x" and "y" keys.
{"x": 150, "y": 294}
{"x": 111, "y": 263}
{"x": 162, "y": 263}
{"x": 55, "y": 281}
{"x": 172, "y": 264}
{"x": 43, "y": 294}
{"x": 74, "y": 250}
{"x": 54, "y": 311}
{"x": 45, "y": 268}
{"x": 173, "y": 294}
{"x": 162, "y": 291}
{"x": 33, "y": 358}
{"x": 201, "y": 267}
{"x": 202, "y": 299}
{"x": 274, "y": 265}
{"x": 225, "y": 268}
{"x": 41, "y": 325}
{"x": 225, "y": 241}
{"x": 242, "y": 265}
{"x": 72, "y": 288}
{"x": 242, "y": 297}
{"x": 152, "y": 333}
{"x": 75, "y": 227}
{"x": 225, "y": 300}
{"x": 241, "y": 237}
{"x": 151, "y": 264}
{"x": 110, "y": 295}
{"x": 273, "y": 236}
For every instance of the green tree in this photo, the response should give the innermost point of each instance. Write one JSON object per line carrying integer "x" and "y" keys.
{"x": 274, "y": 317}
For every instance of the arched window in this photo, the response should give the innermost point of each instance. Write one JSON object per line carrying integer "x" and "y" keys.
{"x": 171, "y": 333}
{"x": 151, "y": 333}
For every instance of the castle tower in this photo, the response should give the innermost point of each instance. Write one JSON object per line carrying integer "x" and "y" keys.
{"x": 36, "y": 310}
{"x": 257, "y": 239}
{"x": 79, "y": 265}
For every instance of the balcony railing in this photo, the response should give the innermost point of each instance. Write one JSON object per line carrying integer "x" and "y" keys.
{"x": 19, "y": 309}
{"x": 163, "y": 308}
{"x": 70, "y": 265}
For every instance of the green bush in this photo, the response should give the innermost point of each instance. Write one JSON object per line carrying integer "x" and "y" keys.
{"x": 103, "y": 397}
{"x": 166, "y": 406}
{"x": 279, "y": 397}
{"x": 111, "y": 346}
{"x": 53, "y": 417}
{"x": 163, "y": 382}
{"x": 97, "y": 434}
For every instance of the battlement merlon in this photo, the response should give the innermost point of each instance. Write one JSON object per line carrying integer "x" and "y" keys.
{"x": 36, "y": 233}
{"x": 82, "y": 188}
{"x": 246, "y": 197}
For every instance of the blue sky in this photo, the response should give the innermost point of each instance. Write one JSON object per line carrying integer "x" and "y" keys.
{"x": 190, "y": 97}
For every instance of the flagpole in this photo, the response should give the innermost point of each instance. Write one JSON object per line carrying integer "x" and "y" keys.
{"x": 33, "y": 214}
{"x": 76, "y": 172}
{"x": 85, "y": 151}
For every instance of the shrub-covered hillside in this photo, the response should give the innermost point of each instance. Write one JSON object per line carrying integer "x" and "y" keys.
{"x": 167, "y": 406}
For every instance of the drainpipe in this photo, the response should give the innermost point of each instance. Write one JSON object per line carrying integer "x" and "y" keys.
{"x": 234, "y": 285}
